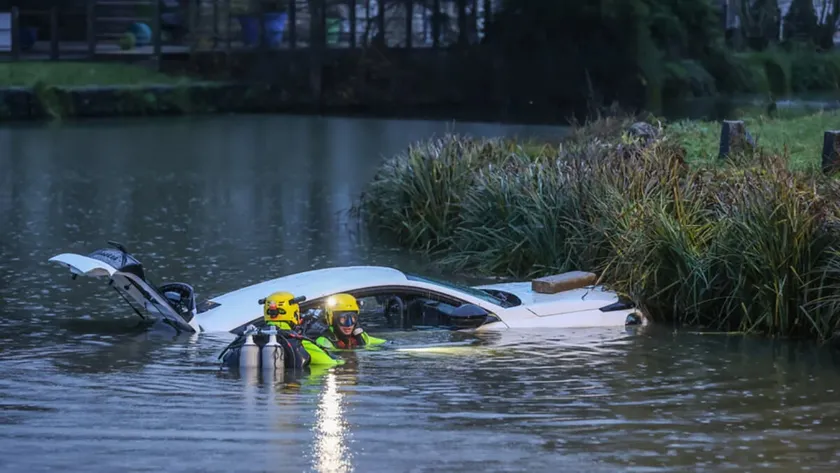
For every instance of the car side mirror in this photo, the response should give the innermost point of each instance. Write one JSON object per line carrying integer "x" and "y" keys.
{"x": 470, "y": 316}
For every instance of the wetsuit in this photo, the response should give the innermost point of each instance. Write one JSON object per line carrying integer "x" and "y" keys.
{"x": 300, "y": 350}
{"x": 328, "y": 339}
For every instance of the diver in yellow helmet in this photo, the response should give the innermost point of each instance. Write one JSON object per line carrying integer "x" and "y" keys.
{"x": 344, "y": 330}
{"x": 282, "y": 310}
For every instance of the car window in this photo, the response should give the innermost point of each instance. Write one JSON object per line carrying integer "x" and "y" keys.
{"x": 458, "y": 287}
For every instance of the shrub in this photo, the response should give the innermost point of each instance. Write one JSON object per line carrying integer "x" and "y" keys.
{"x": 748, "y": 245}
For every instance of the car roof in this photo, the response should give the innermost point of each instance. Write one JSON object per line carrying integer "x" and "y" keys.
{"x": 316, "y": 283}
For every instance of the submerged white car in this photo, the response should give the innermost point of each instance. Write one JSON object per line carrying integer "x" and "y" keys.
{"x": 406, "y": 300}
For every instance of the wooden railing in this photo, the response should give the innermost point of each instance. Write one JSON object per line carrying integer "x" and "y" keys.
{"x": 11, "y": 33}
{"x": 229, "y": 25}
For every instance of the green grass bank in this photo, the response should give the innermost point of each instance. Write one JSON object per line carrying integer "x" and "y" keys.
{"x": 82, "y": 74}
{"x": 63, "y": 90}
{"x": 49, "y": 89}
{"x": 748, "y": 244}
{"x": 774, "y": 72}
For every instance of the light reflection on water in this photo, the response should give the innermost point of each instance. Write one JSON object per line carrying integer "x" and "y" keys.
{"x": 225, "y": 202}
{"x": 331, "y": 452}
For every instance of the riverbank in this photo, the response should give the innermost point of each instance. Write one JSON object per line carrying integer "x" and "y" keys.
{"x": 51, "y": 102}
{"x": 397, "y": 84}
{"x": 749, "y": 244}
{"x": 36, "y": 91}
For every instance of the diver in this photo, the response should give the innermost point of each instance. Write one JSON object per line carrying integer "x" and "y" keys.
{"x": 282, "y": 310}
{"x": 343, "y": 330}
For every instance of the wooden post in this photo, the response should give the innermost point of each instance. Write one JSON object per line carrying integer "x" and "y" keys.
{"x": 91, "y": 24}
{"x": 322, "y": 25}
{"x": 474, "y": 22}
{"x": 734, "y": 138}
{"x": 435, "y": 24}
{"x": 215, "y": 22}
{"x": 54, "y": 33}
{"x": 352, "y": 20}
{"x": 831, "y": 151}
{"x": 488, "y": 16}
{"x": 462, "y": 22}
{"x": 425, "y": 27}
{"x": 292, "y": 24}
{"x": 15, "y": 33}
{"x": 157, "y": 32}
{"x": 409, "y": 22}
{"x": 193, "y": 12}
{"x": 317, "y": 47}
{"x": 263, "y": 38}
{"x": 380, "y": 21}
{"x": 229, "y": 26}
{"x": 563, "y": 282}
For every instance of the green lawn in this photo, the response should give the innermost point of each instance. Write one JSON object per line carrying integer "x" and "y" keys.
{"x": 799, "y": 135}
{"x": 25, "y": 74}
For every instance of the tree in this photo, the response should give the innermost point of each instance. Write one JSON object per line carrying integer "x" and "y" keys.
{"x": 800, "y": 22}
{"x": 761, "y": 20}
{"x": 620, "y": 47}
{"x": 827, "y": 23}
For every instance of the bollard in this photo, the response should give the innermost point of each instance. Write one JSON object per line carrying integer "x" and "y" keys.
{"x": 831, "y": 151}
{"x": 734, "y": 138}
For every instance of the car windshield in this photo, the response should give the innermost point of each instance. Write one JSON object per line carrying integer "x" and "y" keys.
{"x": 458, "y": 287}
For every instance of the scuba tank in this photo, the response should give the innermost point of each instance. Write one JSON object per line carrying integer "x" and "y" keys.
{"x": 288, "y": 350}
{"x": 249, "y": 353}
{"x": 272, "y": 356}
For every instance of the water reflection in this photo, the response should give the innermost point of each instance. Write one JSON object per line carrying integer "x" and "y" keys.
{"x": 331, "y": 452}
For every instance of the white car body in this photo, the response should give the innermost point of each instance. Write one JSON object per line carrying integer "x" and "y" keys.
{"x": 590, "y": 306}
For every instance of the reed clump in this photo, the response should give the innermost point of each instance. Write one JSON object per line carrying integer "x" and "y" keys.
{"x": 751, "y": 244}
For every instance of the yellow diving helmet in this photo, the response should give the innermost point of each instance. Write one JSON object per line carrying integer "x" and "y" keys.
{"x": 282, "y": 308}
{"x": 344, "y": 308}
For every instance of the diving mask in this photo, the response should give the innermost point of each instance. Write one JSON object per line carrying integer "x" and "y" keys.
{"x": 345, "y": 319}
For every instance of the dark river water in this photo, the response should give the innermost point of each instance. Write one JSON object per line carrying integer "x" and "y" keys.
{"x": 224, "y": 202}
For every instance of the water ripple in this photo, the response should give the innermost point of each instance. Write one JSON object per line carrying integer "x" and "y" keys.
{"x": 83, "y": 384}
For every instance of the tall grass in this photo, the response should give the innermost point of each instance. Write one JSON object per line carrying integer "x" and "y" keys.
{"x": 416, "y": 195}
{"x": 748, "y": 246}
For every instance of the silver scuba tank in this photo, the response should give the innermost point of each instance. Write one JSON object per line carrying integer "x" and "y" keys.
{"x": 272, "y": 356}
{"x": 249, "y": 353}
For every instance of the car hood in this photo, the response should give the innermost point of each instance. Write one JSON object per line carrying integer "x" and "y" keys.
{"x": 560, "y": 303}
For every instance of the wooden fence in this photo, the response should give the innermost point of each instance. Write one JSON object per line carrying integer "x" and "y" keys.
{"x": 151, "y": 28}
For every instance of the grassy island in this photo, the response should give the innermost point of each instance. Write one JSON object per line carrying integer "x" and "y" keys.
{"x": 750, "y": 243}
